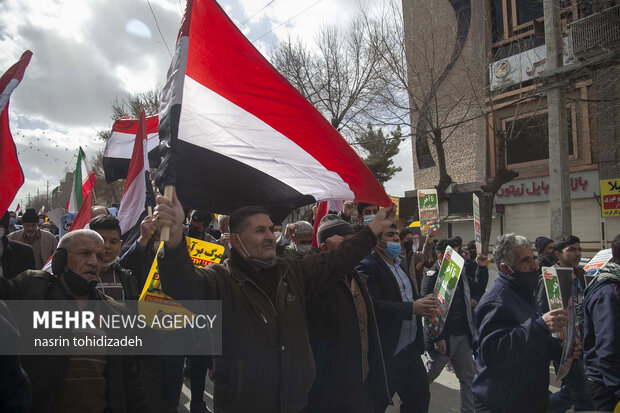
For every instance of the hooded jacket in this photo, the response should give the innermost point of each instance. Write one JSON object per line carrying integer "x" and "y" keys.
{"x": 512, "y": 349}
{"x": 601, "y": 327}
{"x": 266, "y": 363}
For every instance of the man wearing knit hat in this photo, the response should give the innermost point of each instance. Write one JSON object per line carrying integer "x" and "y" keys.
{"x": 42, "y": 242}
{"x": 343, "y": 330}
{"x": 545, "y": 248}
{"x": 546, "y": 258}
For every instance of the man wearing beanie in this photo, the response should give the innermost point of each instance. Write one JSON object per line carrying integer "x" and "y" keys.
{"x": 42, "y": 242}
{"x": 546, "y": 258}
{"x": 343, "y": 330}
{"x": 545, "y": 248}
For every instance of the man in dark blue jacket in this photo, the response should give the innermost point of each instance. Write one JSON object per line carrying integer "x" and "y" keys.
{"x": 397, "y": 302}
{"x": 512, "y": 342}
{"x": 601, "y": 339}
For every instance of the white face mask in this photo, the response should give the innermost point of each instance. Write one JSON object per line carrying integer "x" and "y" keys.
{"x": 303, "y": 249}
{"x": 277, "y": 234}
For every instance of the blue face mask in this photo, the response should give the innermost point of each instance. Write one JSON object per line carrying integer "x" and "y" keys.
{"x": 12, "y": 221}
{"x": 368, "y": 219}
{"x": 393, "y": 249}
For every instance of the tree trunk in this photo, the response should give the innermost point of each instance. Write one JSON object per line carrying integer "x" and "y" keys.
{"x": 444, "y": 179}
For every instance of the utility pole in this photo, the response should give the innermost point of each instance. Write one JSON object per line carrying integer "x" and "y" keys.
{"x": 559, "y": 191}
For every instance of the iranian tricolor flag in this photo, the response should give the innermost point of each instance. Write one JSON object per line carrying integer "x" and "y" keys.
{"x": 83, "y": 182}
{"x": 235, "y": 132}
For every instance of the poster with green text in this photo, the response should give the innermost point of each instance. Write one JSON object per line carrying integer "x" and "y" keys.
{"x": 445, "y": 287}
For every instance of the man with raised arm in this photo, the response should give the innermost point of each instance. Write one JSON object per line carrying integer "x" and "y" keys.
{"x": 267, "y": 363}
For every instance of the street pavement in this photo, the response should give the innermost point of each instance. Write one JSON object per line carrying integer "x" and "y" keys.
{"x": 445, "y": 391}
{"x": 445, "y": 394}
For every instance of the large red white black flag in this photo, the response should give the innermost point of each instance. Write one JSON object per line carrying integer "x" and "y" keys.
{"x": 234, "y": 131}
{"x": 138, "y": 193}
{"x": 119, "y": 146}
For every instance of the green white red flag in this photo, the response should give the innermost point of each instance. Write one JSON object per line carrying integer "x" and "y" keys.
{"x": 83, "y": 182}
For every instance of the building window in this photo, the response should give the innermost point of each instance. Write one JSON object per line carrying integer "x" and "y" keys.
{"x": 513, "y": 20}
{"x": 497, "y": 15}
{"x": 528, "y": 10}
{"x": 527, "y": 137}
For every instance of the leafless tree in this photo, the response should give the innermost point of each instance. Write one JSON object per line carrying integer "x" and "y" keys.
{"x": 338, "y": 74}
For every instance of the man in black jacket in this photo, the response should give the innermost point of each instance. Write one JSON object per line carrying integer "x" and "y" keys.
{"x": 350, "y": 373}
{"x": 74, "y": 383}
{"x": 114, "y": 280}
{"x": 397, "y": 303}
{"x": 15, "y": 257}
{"x": 453, "y": 344}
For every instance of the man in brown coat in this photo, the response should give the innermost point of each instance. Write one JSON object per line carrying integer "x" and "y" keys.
{"x": 267, "y": 363}
{"x": 42, "y": 242}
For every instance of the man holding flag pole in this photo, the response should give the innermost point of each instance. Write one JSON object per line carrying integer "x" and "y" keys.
{"x": 225, "y": 109}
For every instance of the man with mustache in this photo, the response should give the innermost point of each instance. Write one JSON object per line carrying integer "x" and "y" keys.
{"x": 42, "y": 242}
{"x": 267, "y": 363}
{"x": 76, "y": 383}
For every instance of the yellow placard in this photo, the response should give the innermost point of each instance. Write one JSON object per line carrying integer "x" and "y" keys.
{"x": 154, "y": 303}
{"x": 610, "y": 197}
{"x": 395, "y": 200}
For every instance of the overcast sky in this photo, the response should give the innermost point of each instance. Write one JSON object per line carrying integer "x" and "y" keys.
{"x": 87, "y": 53}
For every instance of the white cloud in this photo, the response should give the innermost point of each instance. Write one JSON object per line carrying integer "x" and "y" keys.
{"x": 87, "y": 53}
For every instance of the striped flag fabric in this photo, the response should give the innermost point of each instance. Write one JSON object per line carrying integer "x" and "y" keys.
{"x": 234, "y": 131}
{"x": 133, "y": 202}
{"x": 83, "y": 182}
{"x": 11, "y": 174}
{"x": 119, "y": 146}
{"x": 83, "y": 216}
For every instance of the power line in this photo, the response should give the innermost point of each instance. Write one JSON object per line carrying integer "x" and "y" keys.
{"x": 246, "y": 21}
{"x": 158, "y": 29}
{"x": 283, "y": 23}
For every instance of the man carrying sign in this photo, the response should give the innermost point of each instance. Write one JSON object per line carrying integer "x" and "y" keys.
{"x": 512, "y": 341}
{"x": 267, "y": 364}
{"x": 453, "y": 343}
{"x": 397, "y": 303}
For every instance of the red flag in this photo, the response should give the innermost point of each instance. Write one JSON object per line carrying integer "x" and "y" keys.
{"x": 134, "y": 196}
{"x": 226, "y": 110}
{"x": 84, "y": 214}
{"x": 11, "y": 174}
{"x": 321, "y": 211}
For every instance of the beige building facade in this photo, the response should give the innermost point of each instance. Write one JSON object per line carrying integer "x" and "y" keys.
{"x": 478, "y": 77}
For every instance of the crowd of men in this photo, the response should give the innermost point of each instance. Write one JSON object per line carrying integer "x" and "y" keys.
{"x": 340, "y": 327}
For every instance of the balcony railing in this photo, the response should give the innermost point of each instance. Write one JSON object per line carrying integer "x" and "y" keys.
{"x": 596, "y": 33}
